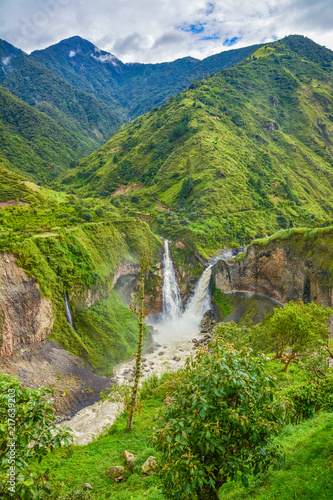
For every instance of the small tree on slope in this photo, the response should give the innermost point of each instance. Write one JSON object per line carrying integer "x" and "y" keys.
{"x": 218, "y": 424}
{"x": 141, "y": 313}
{"x": 298, "y": 328}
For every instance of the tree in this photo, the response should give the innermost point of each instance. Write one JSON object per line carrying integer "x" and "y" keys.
{"x": 27, "y": 431}
{"x": 297, "y": 327}
{"x": 141, "y": 313}
{"x": 186, "y": 188}
{"x": 218, "y": 424}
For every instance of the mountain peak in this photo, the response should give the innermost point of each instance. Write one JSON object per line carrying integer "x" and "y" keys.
{"x": 7, "y": 49}
{"x": 77, "y": 46}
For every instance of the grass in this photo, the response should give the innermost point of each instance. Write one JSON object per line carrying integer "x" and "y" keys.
{"x": 71, "y": 468}
{"x": 307, "y": 474}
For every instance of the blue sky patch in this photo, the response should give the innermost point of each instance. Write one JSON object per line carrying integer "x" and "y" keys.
{"x": 193, "y": 28}
{"x": 228, "y": 42}
{"x": 211, "y": 37}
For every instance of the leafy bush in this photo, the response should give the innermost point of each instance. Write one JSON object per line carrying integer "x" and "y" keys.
{"x": 298, "y": 328}
{"x": 308, "y": 398}
{"x": 218, "y": 424}
{"x": 27, "y": 431}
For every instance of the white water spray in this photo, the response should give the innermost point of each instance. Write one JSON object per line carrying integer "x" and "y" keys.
{"x": 172, "y": 304}
{"x": 199, "y": 304}
{"x": 174, "y": 323}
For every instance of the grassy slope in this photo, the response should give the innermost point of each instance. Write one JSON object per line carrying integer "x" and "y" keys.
{"x": 307, "y": 473}
{"x": 255, "y": 139}
{"x": 65, "y": 252}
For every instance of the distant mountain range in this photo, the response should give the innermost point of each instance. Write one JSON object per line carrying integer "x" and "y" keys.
{"x": 134, "y": 87}
{"x": 88, "y": 93}
{"x": 237, "y": 155}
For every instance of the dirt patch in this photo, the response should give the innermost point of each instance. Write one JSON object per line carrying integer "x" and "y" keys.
{"x": 46, "y": 363}
{"x": 31, "y": 185}
{"x": 164, "y": 208}
{"x": 125, "y": 189}
{"x": 11, "y": 203}
{"x": 45, "y": 235}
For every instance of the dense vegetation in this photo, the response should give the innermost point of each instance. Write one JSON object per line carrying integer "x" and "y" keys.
{"x": 35, "y": 144}
{"x": 236, "y": 156}
{"x": 72, "y": 246}
{"x": 307, "y": 449}
{"x": 27, "y": 432}
{"x": 135, "y": 88}
{"x": 87, "y": 121}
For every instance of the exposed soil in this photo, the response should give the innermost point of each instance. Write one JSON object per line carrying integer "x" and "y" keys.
{"x": 46, "y": 363}
{"x": 11, "y": 203}
{"x": 125, "y": 189}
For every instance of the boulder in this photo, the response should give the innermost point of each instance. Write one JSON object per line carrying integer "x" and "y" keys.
{"x": 116, "y": 472}
{"x": 130, "y": 459}
{"x": 149, "y": 466}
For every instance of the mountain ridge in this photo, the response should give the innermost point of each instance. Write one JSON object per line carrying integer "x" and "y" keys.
{"x": 235, "y": 156}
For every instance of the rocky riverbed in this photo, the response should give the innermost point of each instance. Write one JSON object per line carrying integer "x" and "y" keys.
{"x": 157, "y": 359}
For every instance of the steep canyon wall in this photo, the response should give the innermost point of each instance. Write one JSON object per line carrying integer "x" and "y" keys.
{"x": 297, "y": 267}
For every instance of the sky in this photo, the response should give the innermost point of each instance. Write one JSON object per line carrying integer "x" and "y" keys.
{"x": 163, "y": 30}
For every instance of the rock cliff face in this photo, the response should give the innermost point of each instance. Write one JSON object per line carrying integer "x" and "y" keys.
{"x": 88, "y": 297}
{"x": 283, "y": 269}
{"x": 25, "y": 316}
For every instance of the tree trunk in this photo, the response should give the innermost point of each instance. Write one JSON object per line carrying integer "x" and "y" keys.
{"x": 287, "y": 363}
{"x": 141, "y": 313}
{"x": 208, "y": 493}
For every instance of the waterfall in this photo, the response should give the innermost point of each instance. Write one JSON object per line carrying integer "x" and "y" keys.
{"x": 174, "y": 322}
{"x": 172, "y": 304}
{"x": 69, "y": 315}
{"x": 200, "y": 302}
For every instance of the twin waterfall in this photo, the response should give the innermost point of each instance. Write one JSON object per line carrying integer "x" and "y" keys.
{"x": 172, "y": 304}
{"x": 176, "y": 321}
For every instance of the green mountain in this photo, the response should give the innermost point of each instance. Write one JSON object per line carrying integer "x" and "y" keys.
{"x": 134, "y": 87}
{"x": 75, "y": 246}
{"x": 81, "y": 114}
{"x": 235, "y": 156}
{"x": 34, "y": 143}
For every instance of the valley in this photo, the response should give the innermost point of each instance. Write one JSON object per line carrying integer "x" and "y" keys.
{"x": 222, "y": 170}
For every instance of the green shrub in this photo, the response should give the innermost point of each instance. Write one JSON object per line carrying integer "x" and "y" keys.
{"x": 219, "y": 423}
{"x": 309, "y": 397}
{"x": 27, "y": 431}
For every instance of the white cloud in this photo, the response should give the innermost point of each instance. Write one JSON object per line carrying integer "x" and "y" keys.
{"x": 6, "y": 60}
{"x": 163, "y": 30}
{"x": 103, "y": 58}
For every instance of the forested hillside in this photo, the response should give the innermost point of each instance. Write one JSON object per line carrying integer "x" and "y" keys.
{"x": 134, "y": 87}
{"x": 82, "y": 115}
{"x": 235, "y": 156}
{"x": 75, "y": 246}
{"x": 34, "y": 143}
